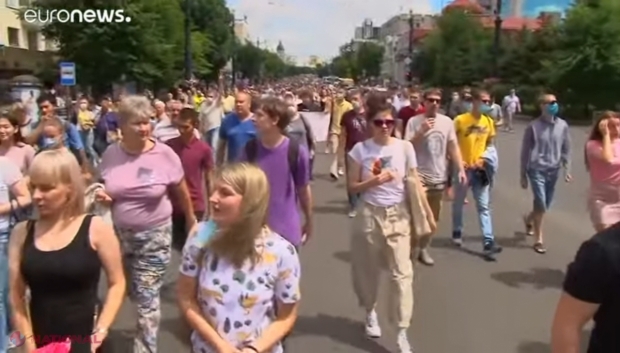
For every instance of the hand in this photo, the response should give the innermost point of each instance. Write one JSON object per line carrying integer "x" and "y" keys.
{"x": 427, "y": 125}
{"x": 97, "y": 340}
{"x": 226, "y": 347}
{"x": 102, "y": 197}
{"x": 430, "y": 218}
{"x": 479, "y": 163}
{"x": 462, "y": 177}
{"x": 603, "y": 126}
{"x": 568, "y": 178}
{"x": 306, "y": 232}
{"x": 192, "y": 225}
{"x": 384, "y": 177}
{"x": 524, "y": 182}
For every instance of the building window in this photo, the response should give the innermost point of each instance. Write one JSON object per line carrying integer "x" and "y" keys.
{"x": 14, "y": 4}
{"x": 13, "y": 34}
{"x": 33, "y": 40}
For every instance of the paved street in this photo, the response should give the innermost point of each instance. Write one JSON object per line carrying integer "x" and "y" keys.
{"x": 462, "y": 305}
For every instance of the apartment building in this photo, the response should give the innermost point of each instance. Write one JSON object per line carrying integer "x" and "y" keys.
{"x": 23, "y": 49}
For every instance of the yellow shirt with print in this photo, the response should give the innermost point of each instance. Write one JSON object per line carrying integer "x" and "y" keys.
{"x": 472, "y": 135}
{"x": 198, "y": 101}
{"x": 337, "y": 113}
{"x": 228, "y": 104}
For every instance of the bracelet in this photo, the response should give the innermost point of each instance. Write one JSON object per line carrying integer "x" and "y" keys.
{"x": 102, "y": 330}
{"x": 252, "y": 348}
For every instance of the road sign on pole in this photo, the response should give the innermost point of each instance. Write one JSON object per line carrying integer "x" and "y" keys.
{"x": 67, "y": 74}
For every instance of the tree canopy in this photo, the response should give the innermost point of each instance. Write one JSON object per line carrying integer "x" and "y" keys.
{"x": 258, "y": 64}
{"x": 356, "y": 61}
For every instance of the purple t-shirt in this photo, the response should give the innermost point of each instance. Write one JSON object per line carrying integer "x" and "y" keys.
{"x": 284, "y": 217}
{"x": 138, "y": 185}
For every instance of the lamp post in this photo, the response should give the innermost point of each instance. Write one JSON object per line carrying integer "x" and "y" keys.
{"x": 410, "y": 57}
{"x": 188, "y": 41}
{"x": 497, "y": 38}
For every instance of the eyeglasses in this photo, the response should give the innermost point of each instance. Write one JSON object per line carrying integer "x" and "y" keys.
{"x": 552, "y": 103}
{"x": 383, "y": 122}
{"x": 433, "y": 100}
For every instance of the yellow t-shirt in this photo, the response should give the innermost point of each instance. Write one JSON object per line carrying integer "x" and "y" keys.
{"x": 86, "y": 120}
{"x": 228, "y": 104}
{"x": 198, "y": 101}
{"x": 472, "y": 135}
{"x": 338, "y": 111}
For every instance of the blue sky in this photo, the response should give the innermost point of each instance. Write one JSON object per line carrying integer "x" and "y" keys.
{"x": 319, "y": 27}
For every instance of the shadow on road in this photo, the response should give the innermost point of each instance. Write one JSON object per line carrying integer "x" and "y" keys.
{"x": 542, "y": 347}
{"x": 177, "y": 327}
{"x": 339, "y": 329}
{"x": 330, "y": 209}
{"x": 343, "y": 256}
{"x": 118, "y": 341}
{"x": 540, "y": 278}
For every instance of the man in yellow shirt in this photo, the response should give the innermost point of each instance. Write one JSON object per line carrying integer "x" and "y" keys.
{"x": 228, "y": 103}
{"x": 336, "y": 146}
{"x": 475, "y": 131}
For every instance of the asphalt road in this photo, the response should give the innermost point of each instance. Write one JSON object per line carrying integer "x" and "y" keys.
{"x": 462, "y": 304}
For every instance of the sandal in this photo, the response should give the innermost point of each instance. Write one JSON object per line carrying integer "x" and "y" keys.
{"x": 540, "y": 248}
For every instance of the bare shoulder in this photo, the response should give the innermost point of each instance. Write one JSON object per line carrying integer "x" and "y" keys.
{"x": 99, "y": 231}
{"x": 18, "y": 235}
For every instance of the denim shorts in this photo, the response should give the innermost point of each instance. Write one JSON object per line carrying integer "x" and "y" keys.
{"x": 543, "y": 184}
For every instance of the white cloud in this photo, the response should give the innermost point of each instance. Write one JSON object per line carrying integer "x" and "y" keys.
{"x": 316, "y": 27}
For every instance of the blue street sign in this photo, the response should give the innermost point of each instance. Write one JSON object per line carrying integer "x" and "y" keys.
{"x": 67, "y": 74}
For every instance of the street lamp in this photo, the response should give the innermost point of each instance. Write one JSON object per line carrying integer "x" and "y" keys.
{"x": 497, "y": 37}
{"x": 188, "y": 41}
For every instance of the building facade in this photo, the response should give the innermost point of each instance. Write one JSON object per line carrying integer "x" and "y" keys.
{"x": 241, "y": 31}
{"x": 23, "y": 49}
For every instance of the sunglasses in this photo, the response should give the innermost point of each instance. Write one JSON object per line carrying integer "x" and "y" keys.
{"x": 552, "y": 103}
{"x": 383, "y": 122}
{"x": 433, "y": 100}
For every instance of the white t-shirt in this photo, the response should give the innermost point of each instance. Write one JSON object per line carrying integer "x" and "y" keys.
{"x": 9, "y": 175}
{"x": 396, "y": 157}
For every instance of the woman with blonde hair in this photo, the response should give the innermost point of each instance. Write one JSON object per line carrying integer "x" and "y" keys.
{"x": 602, "y": 153}
{"x": 60, "y": 257}
{"x": 138, "y": 172}
{"x": 239, "y": 292}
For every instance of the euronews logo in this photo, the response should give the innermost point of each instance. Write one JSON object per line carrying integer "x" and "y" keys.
{"x": 75, "y": 16}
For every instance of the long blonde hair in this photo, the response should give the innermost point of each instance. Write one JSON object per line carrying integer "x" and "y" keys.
{"x": 237, "y": 242}
{"x": 59, "y": 166}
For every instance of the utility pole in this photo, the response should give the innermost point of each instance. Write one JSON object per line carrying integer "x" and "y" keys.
{"x": 188, "y": 41}
{"x": 497, "y": 38}
{"x": 409, "y": 60}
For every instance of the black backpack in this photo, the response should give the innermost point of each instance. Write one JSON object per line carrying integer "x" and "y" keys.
{"x": 251, "y": 149}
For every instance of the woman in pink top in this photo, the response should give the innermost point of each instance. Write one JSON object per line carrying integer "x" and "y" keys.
{"x": 12, "y": 145}
{"x": 137, "y": 173}
{"x": 603, "y": 163}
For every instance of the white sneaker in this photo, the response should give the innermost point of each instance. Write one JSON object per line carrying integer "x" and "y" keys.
{"x": 373, "y": 330}
{"x": 403, "y": 342}
{"x": 352, "y": 214}
{"x": 340, "y": 171}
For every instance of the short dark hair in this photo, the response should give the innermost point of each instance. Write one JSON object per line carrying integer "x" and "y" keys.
{"x": 189, "y": 114}
{"x": 47, "y": 98}
{"x": 478, "y": 93}
{"x": 276, "y": 109}
{"x": 432, "y": 92}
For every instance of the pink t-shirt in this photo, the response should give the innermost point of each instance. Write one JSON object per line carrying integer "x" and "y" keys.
{"x": 138, "y": 184}
{"x": 600, "y": 170}
{"x": 20, "y": 154}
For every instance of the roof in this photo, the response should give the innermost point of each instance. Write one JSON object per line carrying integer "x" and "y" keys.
{"x": 467, "y": 5}
{"x": 513, "y": 23}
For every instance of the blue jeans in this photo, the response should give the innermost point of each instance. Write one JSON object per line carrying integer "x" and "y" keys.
{"x": 212, "y": 137}
{"x": 354, "y": 200}
{"x": 482, "y": 197}
{"x": 88, "y": 139}
{"x": 4, "y": 290}
{"x": 543, "y": 184}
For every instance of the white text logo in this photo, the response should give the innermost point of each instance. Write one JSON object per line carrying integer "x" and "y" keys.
{"x": 75, "y": 16}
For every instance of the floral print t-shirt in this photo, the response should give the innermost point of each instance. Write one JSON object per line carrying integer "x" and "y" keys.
{"x": 239, "y": 303}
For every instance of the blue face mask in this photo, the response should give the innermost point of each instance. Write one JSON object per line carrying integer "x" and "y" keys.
{"x": 48, "y": 142}
{"x": 485, "y": 108}
{"x": 553, "y": 109}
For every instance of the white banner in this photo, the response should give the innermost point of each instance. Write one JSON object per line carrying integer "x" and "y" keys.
{"x": 319, "y": 123}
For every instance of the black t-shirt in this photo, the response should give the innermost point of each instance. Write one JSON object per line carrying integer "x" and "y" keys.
{"x": 594, "y": 277}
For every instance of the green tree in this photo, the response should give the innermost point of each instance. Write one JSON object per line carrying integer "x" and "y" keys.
{"x": 586, "y": 66}
{"x": 456, "y": 53}
{"x": 369, "y": 57}
{"x": 145, "y": 50}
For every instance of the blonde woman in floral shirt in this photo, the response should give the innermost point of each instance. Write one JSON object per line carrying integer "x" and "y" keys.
{"x": 240, "y": 291}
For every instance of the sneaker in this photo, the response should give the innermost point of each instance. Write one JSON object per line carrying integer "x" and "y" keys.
{"x": 340, "y": 171}
{"x": 402, "y": 342}
{"x": 352, "y": 213}
{"x": 490, "y": 250}
{"x": 334, "y": 176}
{"x": 373, "y": 330}
{"x": 425, "y": 258}
{"x": 457, "y": 238}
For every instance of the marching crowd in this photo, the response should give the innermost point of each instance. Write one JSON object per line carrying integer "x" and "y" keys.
{"x": 226, "y": 176}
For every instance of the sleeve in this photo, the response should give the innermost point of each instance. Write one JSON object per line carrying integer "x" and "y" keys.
{"x": 457, "y": 125}
{"x": 289, "y": 273}
{"x": 356, "y": 153}
{"x": 10, "y": 172}
{"x": 175, "y": 169}
{"x": 412, "y": 162}
{"x": 303, "y": 168}
{"x": 410, "y": 129}
{"x": 526, "y": 149}
{"x": 207, "y": 158}
{"x": 112, "y": 123}
{"x": 190, "y": 259}
{"x": 594, "y": 150}
{"x": 73, "y": 138}
{"x": 28, "y": 156}
{"x": 566, "y": 150}
{"x": 223, "y": 131}
{"x": 492, "y": 131}
{"x": 451, "y": 133}
{"x": 589, "y": 275}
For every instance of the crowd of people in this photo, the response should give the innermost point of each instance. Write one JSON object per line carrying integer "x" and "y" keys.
{"x": 226, "y": 176}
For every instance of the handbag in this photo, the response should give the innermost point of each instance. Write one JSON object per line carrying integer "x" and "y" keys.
{"x": 414, "y": 200}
